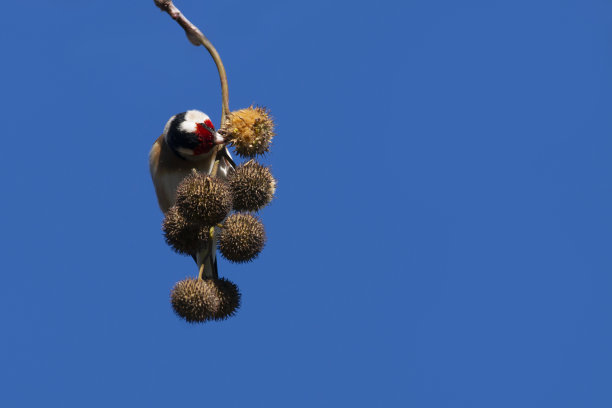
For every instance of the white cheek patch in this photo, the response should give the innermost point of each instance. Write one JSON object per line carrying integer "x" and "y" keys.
{"x": 187, "y": 127}
{"x": 196, "y": 116}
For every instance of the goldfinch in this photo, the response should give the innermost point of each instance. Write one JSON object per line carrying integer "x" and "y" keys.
{"x": 189, "y": 141}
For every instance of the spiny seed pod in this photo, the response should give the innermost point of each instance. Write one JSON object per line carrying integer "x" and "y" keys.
{"x": 203, "y": 199}
{"x": 250, "y": 131}
{"x": 182, "y": 236}
{"x": 228, "y": 295}
{"x": 252, "y": 186}
{"x": 200, "y": 300}
{"x": 242, "y": 238}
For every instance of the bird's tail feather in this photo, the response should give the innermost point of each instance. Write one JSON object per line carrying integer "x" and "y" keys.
{"x": 207, "y": 258}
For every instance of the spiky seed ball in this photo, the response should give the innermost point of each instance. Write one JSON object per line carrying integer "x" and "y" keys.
{"x": 182, "y": 236}
{"x": 203, "y": 199}
{"x": 191, "y": 300}
{"x": 252, "y": 186}
{"x": 228, "y": 296}
{"x": 242, "y": 238}
{"x": 200, "y": 300}
{"x": 250, "y": 131}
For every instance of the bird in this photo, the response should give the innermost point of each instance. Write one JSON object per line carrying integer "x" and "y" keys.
{"x": 189, "y": 141}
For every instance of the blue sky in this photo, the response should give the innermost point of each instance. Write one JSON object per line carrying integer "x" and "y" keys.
{"x": 441, "y": 235}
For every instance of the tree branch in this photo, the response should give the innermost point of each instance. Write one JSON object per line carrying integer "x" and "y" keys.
{"x": 196, "y": 37}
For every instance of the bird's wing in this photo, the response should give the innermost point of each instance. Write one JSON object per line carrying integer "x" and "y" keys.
{"x": 158, "y": 171}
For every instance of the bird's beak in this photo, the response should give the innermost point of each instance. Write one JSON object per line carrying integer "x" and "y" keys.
{"x": 219, "y": 139}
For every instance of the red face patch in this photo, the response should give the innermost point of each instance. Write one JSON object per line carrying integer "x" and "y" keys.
{"x": 205, "y": 137}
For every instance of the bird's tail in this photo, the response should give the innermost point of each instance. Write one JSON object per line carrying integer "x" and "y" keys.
{"x": 206, "y": 259}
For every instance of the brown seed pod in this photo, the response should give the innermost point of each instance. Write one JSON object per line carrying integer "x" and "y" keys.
{"x": 250, "y": 131}
{"x": 183, "y": 237}
{"x": 252, "y": 186}
{"x": 228, "y": 295}
{"x": 242, "y": 238}
{"x": 197, "y": 300}
{"x": 203, "y": 199}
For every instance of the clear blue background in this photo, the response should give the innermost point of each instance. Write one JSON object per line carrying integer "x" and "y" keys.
{"x": 442, "y": 233}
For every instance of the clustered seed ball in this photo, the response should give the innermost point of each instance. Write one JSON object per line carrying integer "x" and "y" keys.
{"x": 182, "y": 236}
{"x": 229, "y": 297}
{"x": 203, "y": 199}
{"x": 252, "y": 186}
{"x": 250, "y": 131}
{"x": 242, "y": 238}
{"x": 197, "y": 300}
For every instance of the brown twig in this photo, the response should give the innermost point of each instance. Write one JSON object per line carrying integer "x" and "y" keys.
{"x": 196, "y": 37}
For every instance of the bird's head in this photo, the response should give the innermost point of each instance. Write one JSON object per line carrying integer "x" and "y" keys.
{"x": 191, "y": 135}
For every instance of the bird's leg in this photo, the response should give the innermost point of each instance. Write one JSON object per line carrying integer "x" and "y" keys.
{"x": 201, "y": 274}
{"x": 215, "y": 168}
{"x": 205, "y": 252}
